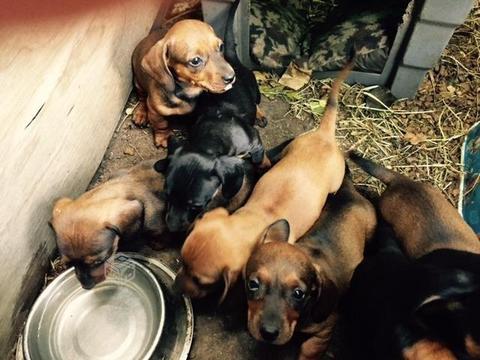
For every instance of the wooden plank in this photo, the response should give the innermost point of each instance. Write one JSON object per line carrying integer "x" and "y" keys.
{"x": 64, "y": 83}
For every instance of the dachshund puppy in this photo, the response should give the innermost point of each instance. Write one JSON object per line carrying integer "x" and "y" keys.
{"x": 172, "y": 69}
{"x": 414, "y": 309}
{"x": 89, "y": 228}
{"x": 210, "y": 161}
{"x": 422, "y": 219}
{"x": 197, "y": 182}
{"x": 296, "y": 188}
{"x": 297, "y": 287}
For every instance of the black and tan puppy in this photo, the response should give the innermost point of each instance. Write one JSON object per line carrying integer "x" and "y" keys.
{"x": 88, "y": 229}
{"x": 242, "y": 101}
{"x": 421, "y": 217}
{"x": 297, "y": 287}
{"x": 211, "y": 160}
{"x": 414, "y": 309}
{"x": 445, "y": 289}
{"x": 196, "y": 182}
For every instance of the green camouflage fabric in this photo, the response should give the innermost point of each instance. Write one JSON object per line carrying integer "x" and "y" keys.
{"x": 364, "y": 31}
{"x": 277, "y": 33}
{"x": 281, "y": 32}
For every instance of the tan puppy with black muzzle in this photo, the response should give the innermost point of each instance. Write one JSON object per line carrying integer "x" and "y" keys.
{"x": 171, "y": 69}
{"x": 88, "y": 229}
{"x": 296, "y": 188}
{"x": 296, "y": 287}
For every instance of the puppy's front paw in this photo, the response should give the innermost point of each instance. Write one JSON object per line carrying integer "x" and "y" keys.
{"x": 140, "y": 117}
{"x": 260, "y": 118}
{"x": 261, "y": 122}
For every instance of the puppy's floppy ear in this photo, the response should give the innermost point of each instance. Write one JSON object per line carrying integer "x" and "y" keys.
{"x": 126, "y": 214}
{"x": 456, "y": 288}
{"x": 229, "y": 278}
{"x": 174, "y": 143}
{"x": 231, "y": 173}
{"x": 278, "y": 231}
{"x": 155, "y": 64}
{"x": 161, "y": 165}
{"x": 327, "y": 298}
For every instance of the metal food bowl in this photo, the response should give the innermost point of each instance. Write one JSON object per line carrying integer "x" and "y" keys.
{"x": 120, "y": 318}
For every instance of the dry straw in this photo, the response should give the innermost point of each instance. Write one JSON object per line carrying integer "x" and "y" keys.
{"x": 420, "y": 138}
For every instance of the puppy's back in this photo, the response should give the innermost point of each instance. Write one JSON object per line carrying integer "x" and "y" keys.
{"x": 422, "y": 218}
{"x": 346, "y": 223}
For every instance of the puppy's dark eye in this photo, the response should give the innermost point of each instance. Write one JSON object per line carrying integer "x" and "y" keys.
{"x": 195, "y": 208}
{"x": 220, "y": 48}
{"x": 253, "y": 285}
{"x": 298, "y": 294}
{"x": 195, "y": 62}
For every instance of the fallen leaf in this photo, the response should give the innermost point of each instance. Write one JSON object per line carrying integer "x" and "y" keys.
{"x": 415, "y": 139}
{"x": 317, "y": 106}
{"x": 295, "y": 77}
{"x": 260, "y": 76}
{"x": 129, "y": 150}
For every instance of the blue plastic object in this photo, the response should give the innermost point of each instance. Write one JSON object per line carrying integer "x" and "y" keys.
{"x": 469, "y": 204}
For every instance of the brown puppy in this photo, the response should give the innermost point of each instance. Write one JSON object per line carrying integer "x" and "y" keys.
{"x": 311, "y": 167}
{"x": 297, "y": 287}
{"x": 422, "y": 219}
{"x": 89, "y": 228}
{"x": 172, "y": 69}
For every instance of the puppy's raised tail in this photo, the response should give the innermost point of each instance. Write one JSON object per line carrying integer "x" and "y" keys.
{"x": 330, "y": 116}
{"x": 380, "y": 172}
{"x": 229, "y": 37}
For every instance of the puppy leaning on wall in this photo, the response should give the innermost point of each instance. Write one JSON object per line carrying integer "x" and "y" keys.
{"x": 295, "y": 189}
{"x": 212, "y": 162}
{"x": 297, "y": 287}
{"x": 172, "y": 69}
{"x": 423, "y": 303}
{"x": 88, "y": 229}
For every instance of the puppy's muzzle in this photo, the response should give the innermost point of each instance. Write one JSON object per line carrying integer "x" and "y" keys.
{"x": 229, "y": 78}
{"x": 87, "y": 281}
{"x": 269, "y": 333}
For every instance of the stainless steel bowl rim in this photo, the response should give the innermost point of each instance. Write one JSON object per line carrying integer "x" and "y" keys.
{"x": 186, "y": 300}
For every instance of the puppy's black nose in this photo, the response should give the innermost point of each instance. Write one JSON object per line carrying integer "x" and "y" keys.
{"x": 229, "y": 78}
{"x": 88, "y": 285}
{"x": 269, "y": 333}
